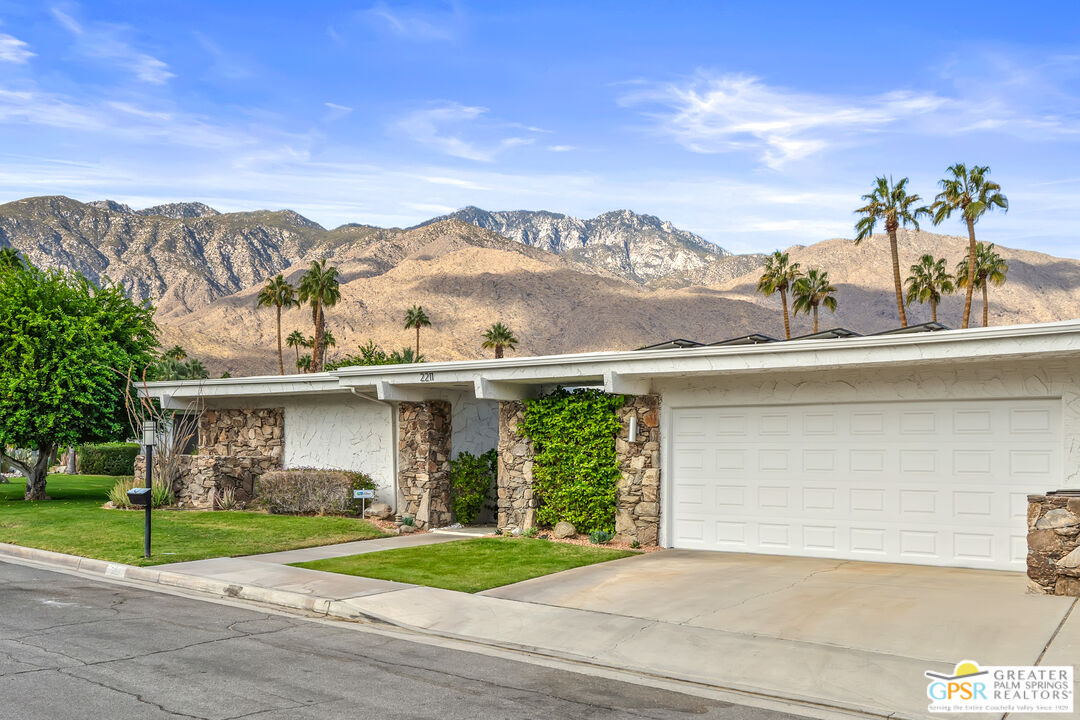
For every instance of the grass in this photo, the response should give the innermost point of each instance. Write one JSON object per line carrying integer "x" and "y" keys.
{"x": 469, "y": 565}
{"x": 74, "y": 522}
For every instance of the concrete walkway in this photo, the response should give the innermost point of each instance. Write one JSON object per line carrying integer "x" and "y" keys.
{"x": 846, "y": 636}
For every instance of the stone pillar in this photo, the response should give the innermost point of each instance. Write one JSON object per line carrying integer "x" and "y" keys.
{"x": 1053, "y": 539}
{"x": 516, "y": 504}
{"x": 258, "y": 432}
{"x": 424, "y": 461}
{"x": 638, "y": 499}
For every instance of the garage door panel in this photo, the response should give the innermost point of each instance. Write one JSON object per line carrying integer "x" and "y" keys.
{"x": 937, "y": 482}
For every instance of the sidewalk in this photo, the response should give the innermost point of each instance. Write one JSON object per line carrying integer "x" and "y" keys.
{"x": 844, "y": 678}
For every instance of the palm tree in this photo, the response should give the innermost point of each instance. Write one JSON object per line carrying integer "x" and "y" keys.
{"x": 175, "y": 353}
{"x": 498, "y": 336}
{"x": 778, "y": 277}
{"x": 10, "y": 258}
{"x": 296, "y": 340}
{"x": 319, "y": 287}
{"x": 195, "y": 370}
{"x": 969, "y": 191}
{"x": 279, "y": 294}
{"x": 328, "y": 341}
{"x": 928, "y": 280}
{"x": 415, "y": 317}
{"x": 890, "y": 203}
{"x": 990, "y": 268}
{"x": 303, "y": 363}
{"x": 813, "y": 290}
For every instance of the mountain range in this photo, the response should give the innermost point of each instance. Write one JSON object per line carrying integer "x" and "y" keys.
{"x": 617, "y": 281}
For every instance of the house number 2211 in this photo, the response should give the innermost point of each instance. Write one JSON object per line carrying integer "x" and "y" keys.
{"x": 427, "y": 377}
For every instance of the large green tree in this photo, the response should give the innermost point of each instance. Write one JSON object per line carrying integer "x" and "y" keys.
{"x": 278, "y": 293}
{"x": 990, "y": 269}
{"x": 319, "y": 287}
{"x": 778, "y": 277}
{"x": 973, "y": 194}
{"x": 65, "y": 348}
{"x": 929, "y": 279}
{"x": 890, "y": 203}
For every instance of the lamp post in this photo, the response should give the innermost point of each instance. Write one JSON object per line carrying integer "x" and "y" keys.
{"x": 149, "y": 434}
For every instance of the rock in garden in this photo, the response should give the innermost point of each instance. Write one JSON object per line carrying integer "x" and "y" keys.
{"x": 406, "y": 529}
{"x": 381, "y": 511}
{"x": 564, "y": 529}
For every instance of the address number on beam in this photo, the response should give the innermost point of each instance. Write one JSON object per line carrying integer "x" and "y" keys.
{"x": 427, "y": 377}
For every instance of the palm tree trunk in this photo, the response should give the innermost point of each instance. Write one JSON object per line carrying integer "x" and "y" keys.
{"x": 896, "y": 278}
{"x": 933, "y": 309}
{"x": 280, "y": 354}
{"x": 316, "y": 346}
{"x": 787, "y": 323}
{"x": 986, "y": 303}
{"x": 815, "y": 318}
{"x": 417, "y": 343}
{"x": 970, "y": 274}
{"x": 498, "y": 351}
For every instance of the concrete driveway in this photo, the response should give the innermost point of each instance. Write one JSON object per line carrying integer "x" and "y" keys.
{"x": 847, "y": 633}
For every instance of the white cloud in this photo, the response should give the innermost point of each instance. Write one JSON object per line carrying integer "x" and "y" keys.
{"x": 443, "y": 128}
{"x": 414, "y": 24}
{"x": 711, "y": 114}
{"x": 104, "y": 41}
{"x": 561, "y": 148}
{"x": 14, "y": 50}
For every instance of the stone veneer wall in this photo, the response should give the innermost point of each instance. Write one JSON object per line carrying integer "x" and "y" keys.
{"x": 243, "y": 432}
{"x": 638, "y": 514}
{"x": 1053, "y": 539}
{"x": 515, "y": 502}
{"x": 424, "y": 461}
{"x": 202, "y": 477}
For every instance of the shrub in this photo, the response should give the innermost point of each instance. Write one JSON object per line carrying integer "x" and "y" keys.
{"x": 576, "y": 470}
{"x": 530, "y": 532}
{"x": 108, "y": 459}
{"x": 307, "y": 491}
{"x": 408, "y": 520}
{"x": 161, "y": 495}
{"x": 471, "y": 478}
{"x": 600, "y": 537}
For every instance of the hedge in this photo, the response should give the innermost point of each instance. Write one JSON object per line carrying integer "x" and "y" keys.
{"x": 575, "y": 467}
{"x": 471, "y": 480}
{"x": 108, "y": 459}
{"x": 307, "y": 491}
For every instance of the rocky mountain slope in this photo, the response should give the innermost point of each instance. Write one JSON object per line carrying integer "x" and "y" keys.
{"x": 466, "y": 278}
{"x": 1039, "y": 288}
{"x": 640, "y": 248}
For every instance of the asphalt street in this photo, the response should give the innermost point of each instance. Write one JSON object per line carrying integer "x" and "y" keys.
{"x": 77, "y": 648}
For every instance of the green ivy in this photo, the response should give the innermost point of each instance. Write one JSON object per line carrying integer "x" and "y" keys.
{"x": 575, "y": 468}
{"x": 471, "y": 478}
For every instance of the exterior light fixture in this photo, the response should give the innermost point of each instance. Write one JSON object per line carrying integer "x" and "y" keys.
{"x": 632, "y": 430}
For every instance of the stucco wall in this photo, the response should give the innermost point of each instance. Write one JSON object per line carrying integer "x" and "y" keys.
{"x": 474, "y": 425}
{"x": 1050, "y": 379}
{"x": 345, "y": 434}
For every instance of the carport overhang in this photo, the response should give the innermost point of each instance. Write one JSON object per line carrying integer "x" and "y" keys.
{"x": 634, "y": 372}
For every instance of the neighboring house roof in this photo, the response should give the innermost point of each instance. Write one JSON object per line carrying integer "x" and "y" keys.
{"x": 751, "y": 339}
{"x": 672, "y": 344}
{"x": 830, "y": 334}
{"x": 633, "y": 371}
{"x": 923, "y": 327}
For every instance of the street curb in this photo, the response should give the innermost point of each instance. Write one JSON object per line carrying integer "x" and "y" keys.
{"x": 336, "y": 609}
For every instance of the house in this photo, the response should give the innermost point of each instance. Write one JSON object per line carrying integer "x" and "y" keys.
{"x": 911, "y": 447}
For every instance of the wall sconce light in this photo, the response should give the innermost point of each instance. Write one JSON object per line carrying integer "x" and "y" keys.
{"x": 632, "y": 430}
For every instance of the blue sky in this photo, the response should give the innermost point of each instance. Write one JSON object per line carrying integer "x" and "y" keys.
{"x": 757, "y": 125}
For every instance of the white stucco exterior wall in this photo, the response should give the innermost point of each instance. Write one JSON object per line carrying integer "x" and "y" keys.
{"x": 474, "y": 424}
{"x": 1054, "y": 379}
{"x": 342, "y": 433}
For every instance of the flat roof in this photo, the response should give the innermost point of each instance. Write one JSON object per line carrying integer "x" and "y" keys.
{"x": 631, "y": 371}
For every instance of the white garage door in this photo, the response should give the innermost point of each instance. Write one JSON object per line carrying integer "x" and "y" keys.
{"x": 935, "y": 483}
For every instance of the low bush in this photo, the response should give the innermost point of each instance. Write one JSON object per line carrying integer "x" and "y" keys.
{"x": 600, "y": 537}
{"x": 108, "y": 459}
{"x": 309, "y": 491}
{"x": 161, "y": 495}
{"x": 471, "y": 479}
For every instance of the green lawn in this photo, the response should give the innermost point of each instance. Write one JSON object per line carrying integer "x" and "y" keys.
{"x": 469, "y": 565}
{"x": 73, "y": 522}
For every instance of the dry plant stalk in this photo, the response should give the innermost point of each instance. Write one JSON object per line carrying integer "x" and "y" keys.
{"x": 175, "y": 429}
